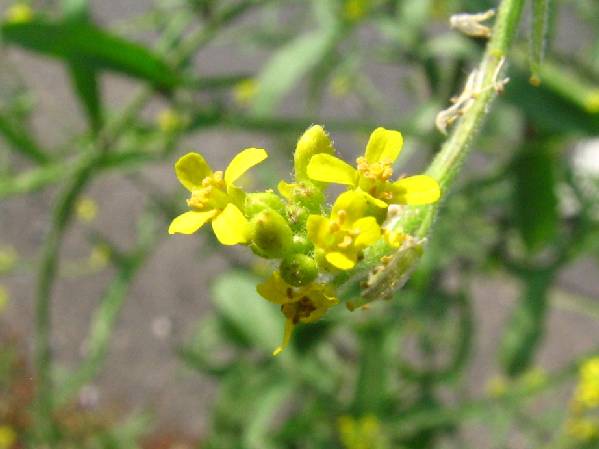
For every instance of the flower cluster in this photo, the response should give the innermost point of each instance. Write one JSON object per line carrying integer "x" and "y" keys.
{"x": 583, "y": 423}
{"x": 309, "y": 240}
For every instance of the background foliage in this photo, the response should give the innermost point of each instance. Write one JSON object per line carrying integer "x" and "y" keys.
{"x": 395, "y": 375}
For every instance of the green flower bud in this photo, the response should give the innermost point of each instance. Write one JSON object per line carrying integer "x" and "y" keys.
{"x": 314, "y": 140}
{"x": 272, "y": 235}
{"x": 259, "y": 201}
{"x": 298, "y": 270}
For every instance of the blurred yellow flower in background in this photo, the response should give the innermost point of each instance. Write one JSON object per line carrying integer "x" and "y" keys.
{"x": 8, "y": 258}
{"x": 19, "y": 13}
{"x": 245, "y": 91}
{"x": 86, "y": 209}
{"x": 170, "y": 121}
{"x": 8, "y": 437}
{"x": 3, "y": 299}
{"x": 361, "y": 433}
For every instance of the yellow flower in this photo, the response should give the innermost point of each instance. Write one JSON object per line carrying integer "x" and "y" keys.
{"x": 582, "y": 429}
{"x": 245, "y": 91}
{"x": 374, "y": 170}
{"x": 215, "y": 197}
{"x": 304, "y": 304}
{"x": 86, "y": 209}
{"x": 170, "y": 121}
{"x": 361, "y": 433}
{"x": 3, "y": 298}
{"x": 341, "y": 237}
{"x": 8, "y": 258}
{"x": 8, "y": 437}
{"x": 354, "y": 10}
{"x": 19, "y": 13}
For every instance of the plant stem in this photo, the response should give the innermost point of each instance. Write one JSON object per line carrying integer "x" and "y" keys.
{"x": 454, "y": 151}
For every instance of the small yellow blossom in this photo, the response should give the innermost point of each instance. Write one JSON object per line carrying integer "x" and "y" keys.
{"x": 215, "y": 197}
{"x": 582, "y": 429}
{"x": 98, "y": 257}
{"x": 341, "y": 238}
{"x": 170, "y": 121}
{"x": 586, "y": 396}
{"x": 374, "y": 171}
{"x": 8, "y": 437}
{"x": 354, "y": 10}
{"x": 8, "y": 258}
{"x": 86, "y": 209}
{"x": 304, "y": 304}
{"x": 497, "y": 386}
{"x": 245, "y": 91}
{"x": 3, "y": 298}
{"x": 361, "y": 433}
{"x": 19, "y": 13}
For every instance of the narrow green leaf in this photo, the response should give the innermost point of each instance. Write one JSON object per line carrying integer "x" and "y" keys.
{"x": 525, "y": 328}
{"x": 84, "y": 77}
{"x": 19, "y": 139}
{"x": 289, "y": 65}
{"x": 538, "y": 38}
{"x": 535, "y": 198}
{"x": 250, "y": 315}
{"x": 91, "y": 46}
{"x": 85, "y": 83}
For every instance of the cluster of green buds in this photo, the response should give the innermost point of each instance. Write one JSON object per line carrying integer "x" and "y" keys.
{"x": 310, "y": 241}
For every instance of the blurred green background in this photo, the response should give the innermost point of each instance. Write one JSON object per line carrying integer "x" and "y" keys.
{"x": 161, "y": 341}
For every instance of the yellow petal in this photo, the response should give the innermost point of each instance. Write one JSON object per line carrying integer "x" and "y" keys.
{"x": 354, "y": 204}
{"x": 190, "y": 222}
{"x": 230, "y": 226}
{"x": 369, "y": 229}
{"x": 317, "y": 227}
{"x": 286, "y": 189}
{"x": 274, "y": 289}
{"x": 242, "y": 162}
{"x": 383, "y": 145}
{"x": 340, "y": 261}
{"x": 286, "y": 337}
{"x": 326, "y": 168}
{"x": 416, "y": 190}
{"x": 191, "y": 169}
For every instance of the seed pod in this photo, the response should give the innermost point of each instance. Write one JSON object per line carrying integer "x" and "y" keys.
{"x": 272, "y": 236}
{"x": 298, "y": 270}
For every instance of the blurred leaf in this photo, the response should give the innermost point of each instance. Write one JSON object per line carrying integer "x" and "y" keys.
{"x": 83, "y": 77}
{"x": 258, "y": 429}
{"x": 549, "y": 109}
{"x": 524, "y": 330}
{"x": 535, "y": 199}
{"x": 289, "y": 65}
{"x": 91, "y": 46}
{"x": 19, "y": 139}
{"x": 251, "y": 316}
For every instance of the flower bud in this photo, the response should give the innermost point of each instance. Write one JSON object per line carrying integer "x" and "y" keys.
{"x": 272, "y": 235}
{"x": 298, "y": 269}
{"x": 314, "y": 140}
{"x": 259, "y": 201}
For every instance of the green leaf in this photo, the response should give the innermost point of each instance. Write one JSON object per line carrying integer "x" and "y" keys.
{"x": 85, "y": 83}
{"x": 555, "y": 106}
{"x": 84, "y": 77}
{"x": 535, "y": 199}
{"x": 289, "y": 65}
{"x": 524, "y": 331}
{"x": 18, "y": 138}
{"x": 254, "y": 319}
{"x": 90, "y": 46}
